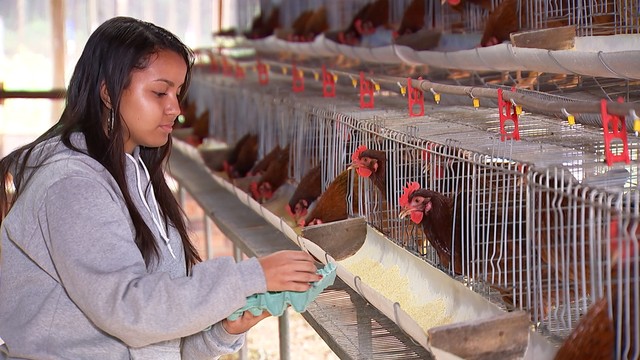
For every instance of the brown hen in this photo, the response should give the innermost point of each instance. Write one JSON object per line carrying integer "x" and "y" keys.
{"x": 412, "y": 18}
{"x": 459, "y": 5}
{"x": 376, "y": 15}
{"x": 491, "y": 249}
{"x": 274, "y": 176}
{"x": 263, "y": 27}
{"x": 333, "y": 204}
{"x": 188, "y": 111}
{"x": 242, "y": 156}
{"x": 299, "y": 25}
{"x": 307, "y": 191}
{"x": 435, "y": 213}
{"x": 371, "y": 164}
{"x": 500, "y": 23}
{"x": 350, "y": 35}
{"x": 201, "y": 128}
{"x": 261, "y": 166}
{"x": 316, "y": 24}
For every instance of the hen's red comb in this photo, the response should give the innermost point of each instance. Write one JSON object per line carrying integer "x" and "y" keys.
{"x": 290, "y": 211}
{"x": 254, "y": 190}
{"x": 356, "y": 154}
{"x": 358, "y": 25}
{"x": 406, "y": 192}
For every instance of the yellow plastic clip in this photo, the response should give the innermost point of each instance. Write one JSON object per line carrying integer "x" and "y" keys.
{"x": 636, "y": 121}
{"x": 335, "y": 78}
{"x": 436, "y": 96}
{"x": 300, "y": 73}
{"x": 354, "y": 81}
{"x": 284, "y": 70}
{"x": 517, "y": 107}
{"x": 316, "y": 76}
{"x": 376, "y": 86}
{"x": 570, "y": 118}
{"x": 474, "y": 100}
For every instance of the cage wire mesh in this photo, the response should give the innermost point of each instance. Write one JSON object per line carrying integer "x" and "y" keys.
{"x": 591, "y": 18}
{"x": 584, "y": 246}
{"x": 599, "y": 17}
{"x": 537, "y": 218}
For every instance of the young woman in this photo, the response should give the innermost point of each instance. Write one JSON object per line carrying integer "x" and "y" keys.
{"x": 96, "y": 261}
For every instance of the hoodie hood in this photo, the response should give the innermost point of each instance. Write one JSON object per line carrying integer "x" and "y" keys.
{"x": 63, "y": 161}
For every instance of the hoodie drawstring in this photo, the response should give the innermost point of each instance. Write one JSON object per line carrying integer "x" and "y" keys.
{"x": 157, "y": 220}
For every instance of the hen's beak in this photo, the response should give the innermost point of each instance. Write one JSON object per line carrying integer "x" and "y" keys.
{"x": 405, "y": 212}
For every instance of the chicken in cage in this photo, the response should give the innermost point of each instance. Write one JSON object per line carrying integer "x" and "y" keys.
{"x": 502, "y": 218}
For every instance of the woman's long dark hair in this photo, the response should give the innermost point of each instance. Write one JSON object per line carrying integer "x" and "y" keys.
{"x": 115, "y": 49}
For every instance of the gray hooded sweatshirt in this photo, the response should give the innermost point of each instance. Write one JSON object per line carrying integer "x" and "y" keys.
{"x": 73, "y": 284}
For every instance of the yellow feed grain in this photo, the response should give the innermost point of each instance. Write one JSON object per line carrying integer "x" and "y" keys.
{"x": 395, "y": 287}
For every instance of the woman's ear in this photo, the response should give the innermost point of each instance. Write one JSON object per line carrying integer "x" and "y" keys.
{"x": 104, "y": 95}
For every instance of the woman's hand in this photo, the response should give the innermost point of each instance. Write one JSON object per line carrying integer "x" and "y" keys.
{"x": 243, "y": 323}
{"x": 289, "y": 270}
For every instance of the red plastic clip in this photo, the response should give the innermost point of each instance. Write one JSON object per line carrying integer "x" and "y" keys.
{"x": 213, "y": 63}
{"x": 507, "y": 112}
{"x": 263, "y": 73}
{"x": 227, "y": 69}
{"x": 366, "y": 89}
{"x": 328, "y": 84}
{"x": 298, "y": 79}
{"x": 416, "y": 97}
{"x": 614, "y": 127}
{"x": 239, "y": 72}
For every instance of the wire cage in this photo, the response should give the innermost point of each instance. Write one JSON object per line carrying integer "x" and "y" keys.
{"x": 623, "y": 291}
{"x": 590, "y": 18}
{"x": 583, "y": 249}
{"x": 599, "y": 17}
{"x": 228, "y": 106}
{"x": 468, "y": 17}
{"x": 536, "y": 218}
{"x": 488, "y": 196}
{"x": 570, "y": 227}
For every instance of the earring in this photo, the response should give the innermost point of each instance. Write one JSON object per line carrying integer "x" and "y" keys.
{"x": 111, "y": 120}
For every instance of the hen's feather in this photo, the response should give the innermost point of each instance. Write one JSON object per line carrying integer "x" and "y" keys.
{"x": 243, "y": 156}
{"x": 309, "y": 188}
{"x": 333, "y": 203}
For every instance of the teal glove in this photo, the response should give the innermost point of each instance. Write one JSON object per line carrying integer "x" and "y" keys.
{"x": 275, "y": 302}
